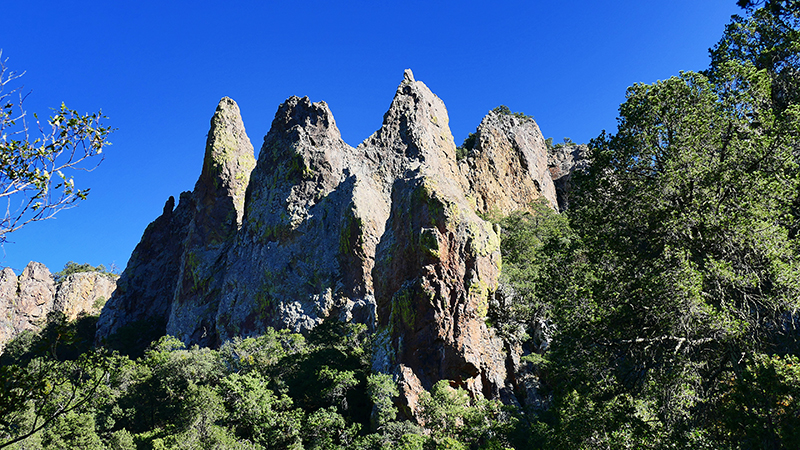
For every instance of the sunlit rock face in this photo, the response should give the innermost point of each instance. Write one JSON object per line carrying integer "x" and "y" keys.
{"x": 562, "y": 162}
{"x": 25, "y": 301}
{"x": 507, "y": 165}
{"x": 386, "y": 234}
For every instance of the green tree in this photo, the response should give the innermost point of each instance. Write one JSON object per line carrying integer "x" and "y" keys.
{"x": 33, "y": 182}
{"x": 760, "y": 408}
{"x": 686, "y": 213}
{"x": 382, "y": 389}
{"x": 72, "y": 267}
{"x": 45, "y": 392}
{"x": 768, "y": 38}
{"x": 258, "y": 414}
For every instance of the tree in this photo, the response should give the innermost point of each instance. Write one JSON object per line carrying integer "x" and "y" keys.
{"x": 34, "y": 397}
{"x": 768, "y": 38}
{"x": 45, "y": 376}
{"x": 33, "y": 182}
{"x": 72, "y": 267}
{"x": 775, "y": 6}
{"x": 687, "y": 214}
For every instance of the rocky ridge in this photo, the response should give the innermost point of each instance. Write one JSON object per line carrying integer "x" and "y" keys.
{"x": 387, "y": 234}
{"x": 25, "y": 301}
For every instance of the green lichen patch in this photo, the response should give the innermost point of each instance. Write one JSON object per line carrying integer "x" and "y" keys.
{"x": 351, "y": 236}
{"x": 425, "y": 196}
{"x": 429, "y": 242}
{"x": 480, "y": 291}
{"x": 483, "y": 239}
{"x": 403, "y": 308}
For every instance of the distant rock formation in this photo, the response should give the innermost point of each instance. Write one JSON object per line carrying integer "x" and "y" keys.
{"x": 26, "y": 300}
{"x": 386, "y": 234}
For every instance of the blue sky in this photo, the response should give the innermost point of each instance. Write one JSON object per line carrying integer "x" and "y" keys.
{"x": 158, "y": 69}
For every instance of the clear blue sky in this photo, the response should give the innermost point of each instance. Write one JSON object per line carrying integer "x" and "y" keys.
{"x": 158, "y": 69}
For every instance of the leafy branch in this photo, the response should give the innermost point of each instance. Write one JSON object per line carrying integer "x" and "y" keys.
{"x": 33, "y": 182}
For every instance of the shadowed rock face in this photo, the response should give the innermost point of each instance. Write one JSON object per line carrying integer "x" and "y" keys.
{"x": 25, "y": 301}
{"x": 385, "y": 234}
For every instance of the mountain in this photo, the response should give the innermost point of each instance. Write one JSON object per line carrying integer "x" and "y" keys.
{"x": 389, "y": 234}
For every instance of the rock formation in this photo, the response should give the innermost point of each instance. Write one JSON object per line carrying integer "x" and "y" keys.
{"x": 26, "y": 300}
{"x": 562, "y": 161}
{"x": 507, "y": 166}
{"x": 386, "y": 234}
{"x": 174, "y": 274}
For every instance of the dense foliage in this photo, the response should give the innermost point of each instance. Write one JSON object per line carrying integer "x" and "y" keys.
{"x": 660, "y": 311}
{"x": 276, "y": 391}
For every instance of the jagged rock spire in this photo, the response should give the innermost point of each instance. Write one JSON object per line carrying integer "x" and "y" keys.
{"x": 227, "y": 164}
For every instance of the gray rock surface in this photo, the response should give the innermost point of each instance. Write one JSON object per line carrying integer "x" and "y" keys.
{"x": 386, "y": 234}
{"x": 562, "y": 162}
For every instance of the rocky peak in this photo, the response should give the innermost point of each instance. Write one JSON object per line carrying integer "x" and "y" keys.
{"x": 301, "y": 161}
{"x": 415, "y": 131}
{"x": 507, "y": 165}
{"x": 228, "y": 161}
{"x": 35, "y": 299}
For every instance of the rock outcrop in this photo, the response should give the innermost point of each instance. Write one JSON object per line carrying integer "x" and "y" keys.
{"x": 25, "y": 301}
{"x": 386, "y": 234}
{"x": 562, "y": 161}
{"x": 173, "y": 281}
{"x": 507, "y": 165}
{"x": 84, "y": 292}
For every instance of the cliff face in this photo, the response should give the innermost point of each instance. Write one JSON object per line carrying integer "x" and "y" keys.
{"x": 562, "y": 162}
{"x": 386, "y": 234}
{"x": 508, "y": 165}
{"x": 26, "y": 300}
